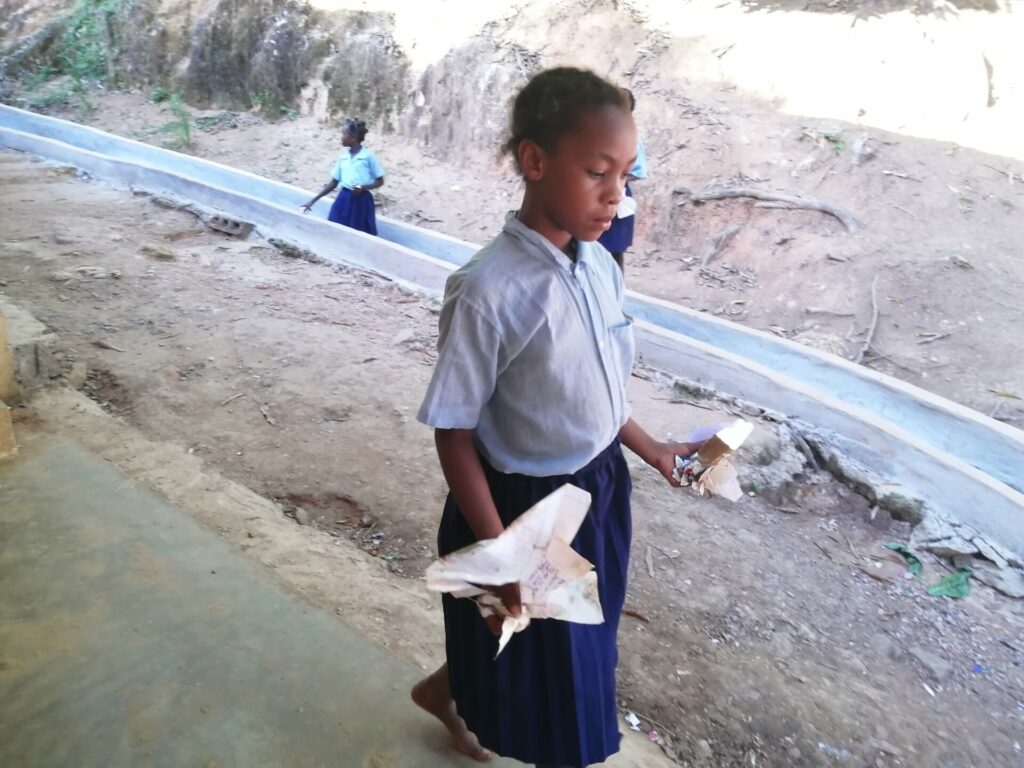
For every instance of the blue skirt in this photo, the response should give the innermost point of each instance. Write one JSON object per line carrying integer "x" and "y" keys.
{"x": 619, "y": 236}
{"x": 355, "y": 211}
{"x": 549, "y": 698}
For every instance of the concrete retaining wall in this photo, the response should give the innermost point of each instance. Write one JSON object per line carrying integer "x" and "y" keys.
{"x": 223, "y": 176}
{"x": 881, "y": 451}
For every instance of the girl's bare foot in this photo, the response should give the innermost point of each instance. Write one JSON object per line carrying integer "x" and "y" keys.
{"x": 434, "y": 696}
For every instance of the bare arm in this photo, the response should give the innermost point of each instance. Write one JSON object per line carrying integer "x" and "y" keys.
{"x": 661, "y": 456}
{"x": 328, "y": 188}
{"x": 465, "y": 475}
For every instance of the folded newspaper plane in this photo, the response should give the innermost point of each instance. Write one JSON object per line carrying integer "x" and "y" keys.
{"x": 709, "y": 469}
{"x": 555, "y": 582}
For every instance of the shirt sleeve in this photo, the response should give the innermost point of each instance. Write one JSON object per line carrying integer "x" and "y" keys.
{"x": 640, "y": 166}
{"x": 336, "y": 171}
{"x": 376, "y": 169}
{"x": 468, "y": 348}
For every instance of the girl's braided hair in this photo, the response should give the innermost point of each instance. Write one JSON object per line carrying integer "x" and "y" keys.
{"x": 356, "y": 127}
{"x": 552, "y": 104}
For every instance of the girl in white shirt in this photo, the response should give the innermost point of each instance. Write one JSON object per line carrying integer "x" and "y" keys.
{"x": 529, "y": 393}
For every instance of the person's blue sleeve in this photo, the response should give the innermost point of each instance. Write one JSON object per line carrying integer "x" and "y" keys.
{"x": 375, "y": 167}
{"x": 640, "y": 166}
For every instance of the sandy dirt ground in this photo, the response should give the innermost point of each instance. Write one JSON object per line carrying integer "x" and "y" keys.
{"x": 240, "y": 379}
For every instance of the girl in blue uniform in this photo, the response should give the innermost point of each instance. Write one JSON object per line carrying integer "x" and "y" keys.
{"x": 358, "y": 171}
{"x": 529, "y": 393}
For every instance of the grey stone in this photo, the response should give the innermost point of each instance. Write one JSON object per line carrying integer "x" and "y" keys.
{"x": 897, "y": 501}
{"x": 332, "y": 413}
{"x": 1012, "y": 559}
{"x": 702, "y": 750}
{"x": 939, "y": 669}
{"x": 879, "y": 517}
{"x": 988, "y": 551}
{"x": 837, "y": 754}
{"x": 942, "y": 537}
{"x": 861, "y": 151}
{"x": 952, "y": 547}
{"x": 883, "y": 645}
{"x": 302, "y": 516}
{"x": 1009, "y": 581}
{"x": 964, "y": 530}
{"x": 884, "y": 746}
{"x": 78, "y": 374}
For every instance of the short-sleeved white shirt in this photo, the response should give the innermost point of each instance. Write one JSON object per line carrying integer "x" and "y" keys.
{"x": 534, "y": 354}
{"x": 359, "y": 169}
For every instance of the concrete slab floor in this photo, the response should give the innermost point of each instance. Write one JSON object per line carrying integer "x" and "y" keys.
{"x": 132, "y": 636}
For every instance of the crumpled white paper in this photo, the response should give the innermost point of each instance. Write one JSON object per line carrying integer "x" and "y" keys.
{"x": 627, "y": 207}
{"x": 709, "y": 469}
{"x": 555, "y": 582}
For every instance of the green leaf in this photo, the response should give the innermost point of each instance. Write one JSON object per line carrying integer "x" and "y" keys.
{"x": 913, "y": 563}
{"x": 953, "y": 585}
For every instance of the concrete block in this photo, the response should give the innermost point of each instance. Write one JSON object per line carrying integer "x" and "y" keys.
{"x": 230, "y": 226}
{"x": 8, "y": 447}
{"x": 30, "y": 343}
{"x": 8, "y": 386}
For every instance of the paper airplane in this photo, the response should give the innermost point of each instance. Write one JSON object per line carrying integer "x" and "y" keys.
{"x": 555, "y": 581}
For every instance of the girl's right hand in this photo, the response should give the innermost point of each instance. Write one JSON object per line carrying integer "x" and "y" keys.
{"x": 306, "y": 207}
{"x": 509, "y": 594}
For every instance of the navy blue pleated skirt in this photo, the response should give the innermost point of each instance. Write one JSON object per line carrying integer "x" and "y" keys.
{"x": 619, "y": 236}
{"x": 549, "y": 698}
{"x": 356, "y": 211}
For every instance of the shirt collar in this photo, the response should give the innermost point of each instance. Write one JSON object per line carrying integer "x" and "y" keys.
{"x": 544, "y": 247}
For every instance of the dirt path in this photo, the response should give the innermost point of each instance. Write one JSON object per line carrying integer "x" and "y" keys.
{"x": 759, "y": 642}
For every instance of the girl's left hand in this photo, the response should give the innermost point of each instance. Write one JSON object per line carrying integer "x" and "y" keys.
{"x": 358, "y": 189}
{"x": 664, "y": 458}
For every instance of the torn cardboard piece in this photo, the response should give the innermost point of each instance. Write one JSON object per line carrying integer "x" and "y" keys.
{"x": 709, "y": 469}
{"x": 555, "y": 582}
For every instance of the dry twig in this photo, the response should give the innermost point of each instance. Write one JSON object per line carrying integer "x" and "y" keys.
{"x": 718, "y": 242}
{"x": 681, "y": 401}
{"x": 928, "y": 338}
{"x": 635, "y": 615}
{"x": 1010, "y": 176}
{"x": 106, "y": 345}
{"x": 899, "y": 175}
{"x": 266, "y": 415}
{"x": 795, "y": 201}
{"x": 874, "y": 322}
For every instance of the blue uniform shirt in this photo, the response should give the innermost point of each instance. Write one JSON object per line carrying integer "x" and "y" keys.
{"x": 640, "y": 166}
{"x": 359, "y": 169}
{"x": 534, "y": 354}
